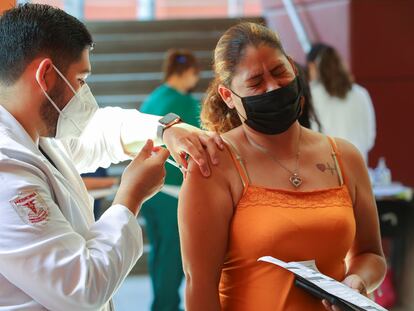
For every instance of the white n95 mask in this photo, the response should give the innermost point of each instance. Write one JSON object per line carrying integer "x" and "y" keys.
{"x": 76, "y": 115}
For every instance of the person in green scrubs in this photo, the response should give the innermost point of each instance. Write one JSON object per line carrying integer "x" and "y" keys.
{"x": 160, "y": 212}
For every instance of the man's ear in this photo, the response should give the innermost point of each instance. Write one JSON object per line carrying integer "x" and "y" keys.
{"x": 225, "y": 95}
{"x": 43, "y": 69}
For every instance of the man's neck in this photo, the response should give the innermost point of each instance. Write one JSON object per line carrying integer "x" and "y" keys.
{"x": 14, "y": 101}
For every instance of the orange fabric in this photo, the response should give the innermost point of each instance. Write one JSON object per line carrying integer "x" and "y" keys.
{"x": 6, "y": 5}
{"x": 338, "y": 159}
{"x": 291, "y": 226}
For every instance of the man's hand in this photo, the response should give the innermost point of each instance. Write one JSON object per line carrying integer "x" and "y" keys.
{"x": 183, "y": 139}
{"x": 353, "y": 281}
{"x": 142, "y": 178}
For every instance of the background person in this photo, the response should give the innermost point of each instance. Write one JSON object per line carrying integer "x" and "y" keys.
{"x": 181, "y": 74}
{"x": 343, "y": 107}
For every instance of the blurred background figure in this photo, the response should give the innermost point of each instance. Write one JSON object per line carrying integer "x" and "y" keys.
{"x": 181, "y": 74}
{"x": 99, "y": 180}
{"x": 344, "y": 108}
{"x": 308, "y": 117}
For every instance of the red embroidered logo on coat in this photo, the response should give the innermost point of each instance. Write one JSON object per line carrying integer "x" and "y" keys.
{"x": 31, "y": 208}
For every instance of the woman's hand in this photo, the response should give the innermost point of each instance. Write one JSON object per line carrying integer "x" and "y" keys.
{"x": 183, "y": 139}
{"x": 353, "y": 281}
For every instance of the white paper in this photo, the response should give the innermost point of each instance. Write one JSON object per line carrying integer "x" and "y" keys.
{"x": 309, "y": 264}
{"x": 326, "y": 283}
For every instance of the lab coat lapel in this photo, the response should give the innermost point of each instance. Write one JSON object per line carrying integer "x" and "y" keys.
{"x": 67, "y": 174}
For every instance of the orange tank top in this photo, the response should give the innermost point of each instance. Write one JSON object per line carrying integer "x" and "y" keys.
{"x": 289, "y": 225}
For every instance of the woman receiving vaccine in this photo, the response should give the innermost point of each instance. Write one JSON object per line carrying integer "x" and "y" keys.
{"x": 280, "y": 190}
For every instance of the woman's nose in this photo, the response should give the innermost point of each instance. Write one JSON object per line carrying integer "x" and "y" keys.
{"x": 272, "y": 85}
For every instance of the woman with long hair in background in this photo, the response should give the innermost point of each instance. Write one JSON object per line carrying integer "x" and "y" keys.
{"x": 343, "y": 107}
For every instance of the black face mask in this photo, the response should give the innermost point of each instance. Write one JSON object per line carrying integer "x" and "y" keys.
{"x": 273, "y": 112}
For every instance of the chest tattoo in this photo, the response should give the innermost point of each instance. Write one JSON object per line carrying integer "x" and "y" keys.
{"x": 326, "y": 167}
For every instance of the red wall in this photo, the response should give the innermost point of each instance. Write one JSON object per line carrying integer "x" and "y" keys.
{"x": 382, "y": 47}
{"x": 375, "y": 38}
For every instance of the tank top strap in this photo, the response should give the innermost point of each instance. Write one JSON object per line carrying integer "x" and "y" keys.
{"x": 336, "y": 155}
{"x": 238, "y": 163}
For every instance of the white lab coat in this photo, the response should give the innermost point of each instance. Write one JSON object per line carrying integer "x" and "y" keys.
{"x": 66, "y": 261}
{"x": 351, "y": 118}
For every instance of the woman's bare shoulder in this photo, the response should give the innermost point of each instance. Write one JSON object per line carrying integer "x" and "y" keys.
{"x": 354, "y": 165}
{"x": 219, "y": 172}
{"x": 349, "y": 152}
{"x": 223, "y": 177}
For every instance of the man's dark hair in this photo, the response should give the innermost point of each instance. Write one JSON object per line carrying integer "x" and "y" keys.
{"x": 33, "y": 30}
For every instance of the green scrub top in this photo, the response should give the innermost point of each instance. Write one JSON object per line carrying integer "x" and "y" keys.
{"x": 165, "y": 99}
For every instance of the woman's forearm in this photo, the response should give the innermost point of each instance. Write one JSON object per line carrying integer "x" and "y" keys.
{"x": 200, "y": 296}
{"x": 370, "y": 267}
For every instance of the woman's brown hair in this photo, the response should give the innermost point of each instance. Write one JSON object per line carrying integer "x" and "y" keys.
{"x": 179, "y": 61}
{"x": 331, "y": 70}
{"x": 215, "y": 115}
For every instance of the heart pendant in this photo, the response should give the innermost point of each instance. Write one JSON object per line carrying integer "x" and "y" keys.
{"x": 295, "y": 180}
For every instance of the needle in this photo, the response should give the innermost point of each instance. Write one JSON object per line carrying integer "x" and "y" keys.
{"x": 173, "y": 163}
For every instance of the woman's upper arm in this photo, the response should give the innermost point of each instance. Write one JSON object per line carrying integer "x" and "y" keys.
{"x": 204, "y": 214}
{"x": 368, "y": 238}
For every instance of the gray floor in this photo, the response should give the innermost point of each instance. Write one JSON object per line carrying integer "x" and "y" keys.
{"x": 135, "y": 294}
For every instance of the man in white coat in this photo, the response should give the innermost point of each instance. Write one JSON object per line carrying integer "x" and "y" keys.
{"x": 53, "y": 255}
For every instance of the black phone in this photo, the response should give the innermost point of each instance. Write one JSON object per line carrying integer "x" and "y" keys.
{"x": 321, "y": 294}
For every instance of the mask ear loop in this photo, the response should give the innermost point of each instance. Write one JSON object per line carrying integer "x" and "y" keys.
{"x": 240, "y": 115}
{"x": 46, "y": 94}
{"x": 74, "y": 92}
{"x": 64, "y": 79}
{"x": 52, "y": 101}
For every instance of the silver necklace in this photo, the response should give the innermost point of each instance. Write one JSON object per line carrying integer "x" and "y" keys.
{"x": 294, "y": 178}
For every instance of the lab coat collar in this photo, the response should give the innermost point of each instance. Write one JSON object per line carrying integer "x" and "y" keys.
{"x": 10, "y": 127}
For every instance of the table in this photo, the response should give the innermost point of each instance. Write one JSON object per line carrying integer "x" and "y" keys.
{"x": 396, "y": 211}
{"x": 111, "y": 191}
